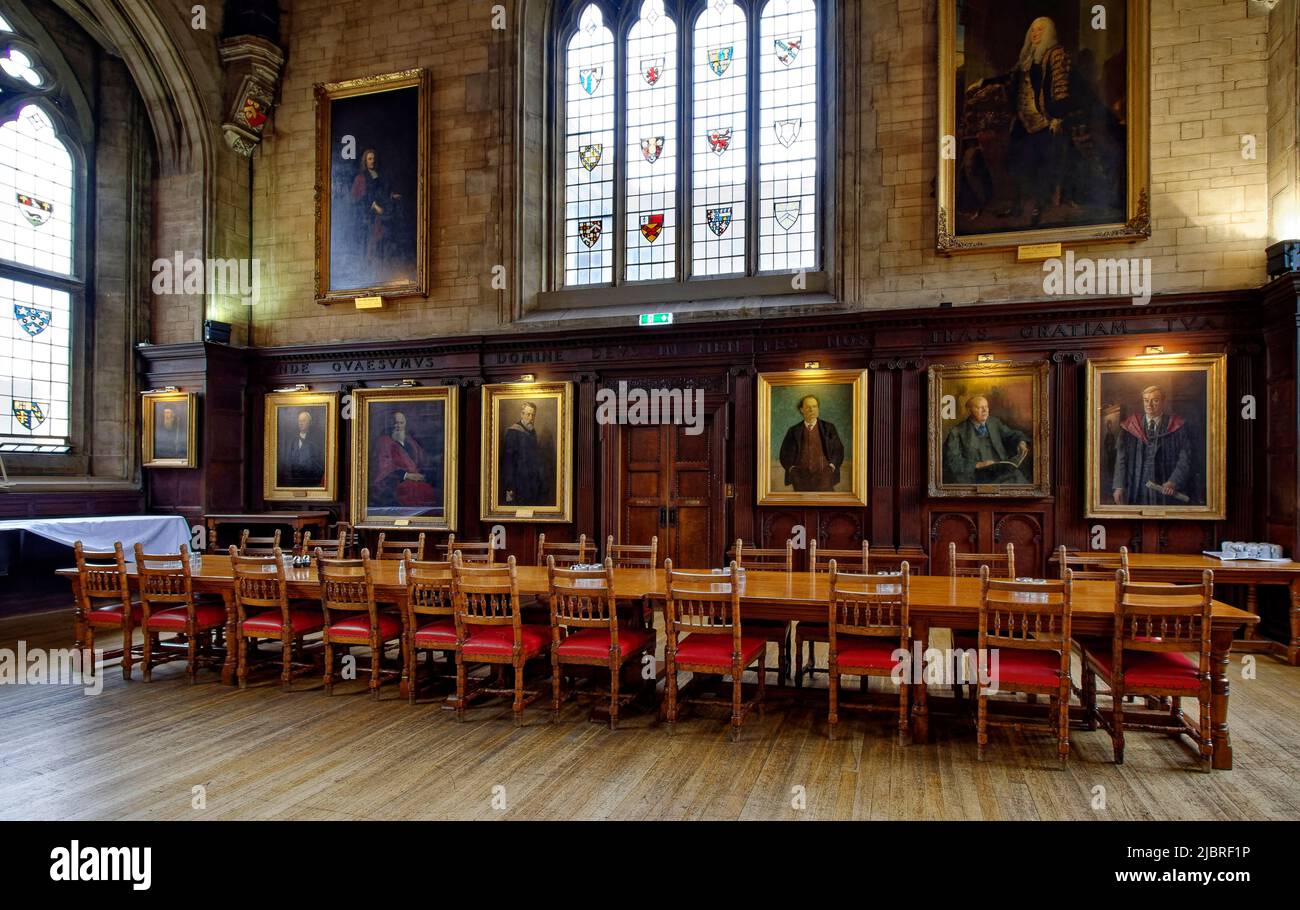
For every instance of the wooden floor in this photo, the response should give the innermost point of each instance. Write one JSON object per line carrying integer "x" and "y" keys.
{"x": 137, "y": 751}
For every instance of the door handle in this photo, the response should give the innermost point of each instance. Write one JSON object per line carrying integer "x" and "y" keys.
{"x": 663, "y": 517}
{"x": 672, "y": 516}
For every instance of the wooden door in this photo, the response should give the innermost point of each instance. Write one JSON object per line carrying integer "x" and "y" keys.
{"x": 670, "y": 486}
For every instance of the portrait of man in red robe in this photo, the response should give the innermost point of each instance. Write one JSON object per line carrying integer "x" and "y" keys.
{"x": 403, "y": 474}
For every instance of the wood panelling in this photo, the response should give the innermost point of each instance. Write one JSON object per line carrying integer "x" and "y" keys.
{"x": 1257, "y": 329}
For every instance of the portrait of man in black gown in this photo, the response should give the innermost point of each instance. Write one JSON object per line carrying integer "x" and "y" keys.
{"x": 300, "y": 449}
{"x": 527, "y": 469}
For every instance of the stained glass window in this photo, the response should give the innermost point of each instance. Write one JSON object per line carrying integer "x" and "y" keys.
{"x": 719, "y": 140}
{"x": 717, "y": 119}
{"x": 651, "y": 148}
{"x": 37, "y": 289}
{"x": 590, "y": 91}
{"x": 787, "y": 136}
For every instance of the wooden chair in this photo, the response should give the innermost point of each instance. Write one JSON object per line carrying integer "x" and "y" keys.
{"x": 491, "y": 631}
{"x": 393, "y": 548}
{"x": 704, "y": 635}
{"x": 585, "y": 631}
{"x": 1156, "y": 626}
{"x": 430, "y": 617}
{"x": 780, "y": 633}
{"x": 566, "y": 554}
{"x": 473, "y": 552}
{"x": 867, "y": 623}
{"x": 1027, "y": 625}
{"x": 168, "y": 605}
{"x": 1091, "y": 565}
{"x": 811, "y": 632}
{"x": 967, "y": 565}
{"x": 333, "y": 548}
{"x": 258, "y": 546}
{"x": 633, "y": 555}
{"x": 104, "y": 602}
{"x": 264, "y": 613}
{"x": 347, "y": 589}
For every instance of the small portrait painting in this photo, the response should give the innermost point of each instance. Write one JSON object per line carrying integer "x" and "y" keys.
{"x": 404, "y": 457}
{"x": 169, "y": 430}
{"x": 811, "y": 426}
{"x": 372, "y": 183}
{"x": 527, "y": 451}
{"x": 1045, "y": 109}
{"x": 988, "y": 429}
{"x": 301, "y": 455}
{"x": 1156, "y": 429}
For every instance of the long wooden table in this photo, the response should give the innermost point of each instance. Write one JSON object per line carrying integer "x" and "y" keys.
{"x": 1247, "y": 572}
{"x": 935, "y": 601}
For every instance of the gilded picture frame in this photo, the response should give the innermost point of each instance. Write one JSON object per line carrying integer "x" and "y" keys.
{"x": 170, "y": 429}
{"x": 374, "y": 179}
{"x": 788, "y": 472}
{"x": 404, "y": 464}
{"x": 1003, "y": 184}
{"x": 1179, "y": 472}
{"x": 527, "y": 453}
{"x": 300, "y": 453}
{"x": 1001, "y": 405}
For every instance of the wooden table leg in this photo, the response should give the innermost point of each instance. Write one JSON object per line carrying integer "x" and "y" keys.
{"x": 1252, "y": 607}
{"x": 1220, "y": 649}
{"x": 1293, "y": 645}
{"x": 920, "y": 703}
{"x": 232, "y": 639}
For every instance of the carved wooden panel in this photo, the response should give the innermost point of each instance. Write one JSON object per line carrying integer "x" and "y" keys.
{"x": 951, "y": 527}
{"x": 1025, "y": 531}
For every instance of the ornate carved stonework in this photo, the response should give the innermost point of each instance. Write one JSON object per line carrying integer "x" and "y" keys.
{"x": 253, "y": 67}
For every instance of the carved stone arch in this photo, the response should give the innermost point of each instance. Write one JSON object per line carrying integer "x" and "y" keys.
{"x": 64, "y": 101}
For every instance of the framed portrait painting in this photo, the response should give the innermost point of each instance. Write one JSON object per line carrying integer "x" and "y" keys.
{"x": 373, "y": 183}
{"x": 812, "y": 431}
{"x": 301, "y": 444}
{"x": 404, "y": 457}
{"x": 1156, "y": 437}
{"x": 1043, "y": 123}
{"x": 988, "y": 429}
{"x": 527, "y": 451}
{"x": 170, "y": 429}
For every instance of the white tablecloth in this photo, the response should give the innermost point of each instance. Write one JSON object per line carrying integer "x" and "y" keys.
{"x": 156, "y": 533}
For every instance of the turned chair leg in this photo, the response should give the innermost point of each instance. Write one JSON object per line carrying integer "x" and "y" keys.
{"x": 833, "y": 718}
{"x": 614, "y": 683}
{"x": 518, "y": 707}
{"x": 460, "y": 687}
{"x": 981, "y": 726}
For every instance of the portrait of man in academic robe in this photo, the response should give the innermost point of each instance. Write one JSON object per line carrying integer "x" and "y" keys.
{"x": 1157, "y": 436}
{"x": 405, "y": 472}
{"x": 527, "y": 461}
{"x": 1155, "y": 456}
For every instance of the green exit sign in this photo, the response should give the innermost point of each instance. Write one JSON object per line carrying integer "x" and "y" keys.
{"x": 656, "y": 319}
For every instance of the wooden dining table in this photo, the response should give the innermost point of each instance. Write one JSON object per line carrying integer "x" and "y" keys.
{"x": 935, "y": 601}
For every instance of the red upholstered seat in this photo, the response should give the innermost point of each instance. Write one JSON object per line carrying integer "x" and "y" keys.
{"x": 268, "y": 622}
{"x": 863, "y": 651}
{"x": 111, "y": 614}
{"x": 499, "y": 641}
{"x": 1150, "y": 669}
{"x": 715, "y": 650}
{"x": 439, "y": 634}
{"x": 358, "y": 627}
{"x": 594, "y": 643}
{"x": 206, "y": 616}
{"x": 1016, "y": 666}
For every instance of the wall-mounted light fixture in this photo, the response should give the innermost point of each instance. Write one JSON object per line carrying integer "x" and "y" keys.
{"x": 528, "y": 377}
{"x": 984, "y": 358}
{"x": 812, "y": 364}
